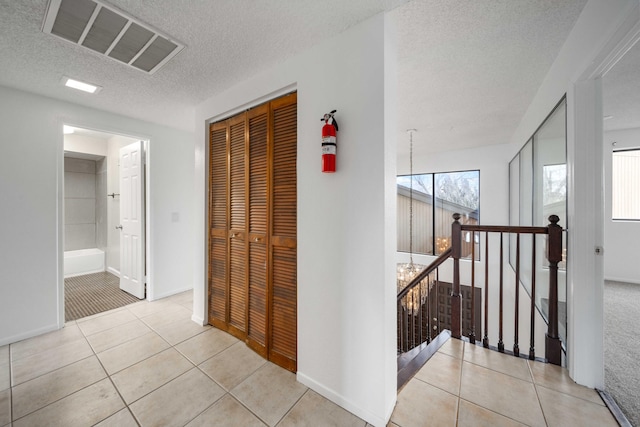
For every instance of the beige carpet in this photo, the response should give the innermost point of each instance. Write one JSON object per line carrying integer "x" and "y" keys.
{"x": 93, "y": 293}
{"x": 622, "y": 347}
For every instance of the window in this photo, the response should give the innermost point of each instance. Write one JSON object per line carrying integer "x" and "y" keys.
{"x": 436, "y": 197}
{"x": 625, "y": 185}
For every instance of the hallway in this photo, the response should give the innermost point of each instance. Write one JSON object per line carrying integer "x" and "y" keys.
{"x": 149, "y": 364}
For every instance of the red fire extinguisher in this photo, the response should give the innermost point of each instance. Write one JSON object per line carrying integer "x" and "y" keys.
{"x": 329, "y": 142}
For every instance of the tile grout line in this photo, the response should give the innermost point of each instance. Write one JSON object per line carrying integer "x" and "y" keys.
{"x": 464, "y": 346}
{"x": 535, "y": 388}
{"x": 502, "y": 373}
{"x": 246, "y": 406}
{"x": 494, "y": 412}
{"x": 126, "y": 405}
{"x": 499, "y": 372}
{"x": 249, "y": 409}
{"x": 83, "y": 336}
{"x": 63, "y": 397}
{"x": 570, "y": 395}
{"x": 10, "y": 387}
{"x": 110, "y": 375}
{"x": 292, "y": 406}
{"x": 562, "y": 392}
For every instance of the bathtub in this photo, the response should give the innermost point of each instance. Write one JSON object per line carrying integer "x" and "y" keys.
{"x": 83, "y": 261}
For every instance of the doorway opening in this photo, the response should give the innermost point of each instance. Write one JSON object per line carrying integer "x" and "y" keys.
{"x": 103, "y": 222}
{"x": 621, "y": 162}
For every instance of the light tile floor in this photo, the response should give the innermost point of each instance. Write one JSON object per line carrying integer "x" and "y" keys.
{"x": 467, "y": 385}
{"x": 148, "y": 364}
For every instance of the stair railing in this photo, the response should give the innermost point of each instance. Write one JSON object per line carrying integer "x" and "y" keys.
{"x": 416, "y": 322}
{"x": 414, "y": 301}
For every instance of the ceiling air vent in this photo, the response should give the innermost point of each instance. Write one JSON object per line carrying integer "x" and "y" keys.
{"x": 111, "y": 32}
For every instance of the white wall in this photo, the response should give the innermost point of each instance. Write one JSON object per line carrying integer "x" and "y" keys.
{"x": 31, "y": 291}
{"x": 620, "y": 237}
{"x": 574, "y": 73}
{"x": 346, "y": 292}
{"x": 85, "y": 144}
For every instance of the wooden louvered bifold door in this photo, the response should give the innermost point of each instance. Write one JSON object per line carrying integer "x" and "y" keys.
{"x": 252, "y": 218}
{"x": 258, "y": 124}
{"x": 283, "y": 239}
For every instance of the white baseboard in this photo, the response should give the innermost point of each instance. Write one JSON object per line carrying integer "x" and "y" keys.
{"x": 173, "y": 292}
{"x": 622, "y": 279}
{"x": 83, "y": 273}
{"x": 30, "y": 334}
{"x": 199, "y": 320}
{"x": 340, "y": 400}
{"x": 113, "y": 271}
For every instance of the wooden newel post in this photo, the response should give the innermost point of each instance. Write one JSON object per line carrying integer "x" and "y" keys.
{"x": 553, "y": 351}
{"x": 456, "y": 300}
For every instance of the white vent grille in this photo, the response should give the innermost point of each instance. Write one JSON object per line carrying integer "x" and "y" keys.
{"x": 111, "y": 32}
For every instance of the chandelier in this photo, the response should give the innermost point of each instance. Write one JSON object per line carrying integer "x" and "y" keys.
{"x": 406, "y": 272}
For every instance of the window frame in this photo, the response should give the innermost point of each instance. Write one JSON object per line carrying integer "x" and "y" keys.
{"x": 613, "y": 218}
{"x": 433, "y": 239}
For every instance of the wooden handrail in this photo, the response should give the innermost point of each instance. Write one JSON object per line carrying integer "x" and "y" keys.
{"x": 503, "y": 228}
{"x": 424, "y": 273}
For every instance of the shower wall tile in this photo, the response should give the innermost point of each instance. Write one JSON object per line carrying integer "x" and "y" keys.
{"x": 79, "y": 236}
{"x": 113, "y": 234}
{"x": 79, "y": 211}
{"x": 101, "y": 210}
{"x": 79, "y": 165}
{"x": 79, "y": 185}
{"x": 101, "y": 166}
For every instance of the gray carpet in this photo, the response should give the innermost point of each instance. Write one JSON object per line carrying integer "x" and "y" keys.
{"x": 92, "y": 294}
{"x": 622, "y": 347}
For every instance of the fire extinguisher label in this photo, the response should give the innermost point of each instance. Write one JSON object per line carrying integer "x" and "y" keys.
{"x": 329, "y": 140}
{"x": 329, "y": 149}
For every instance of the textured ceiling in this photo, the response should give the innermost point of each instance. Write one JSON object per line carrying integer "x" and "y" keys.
{"x": 467, "y": 69}
{"x": 227, "y": 42}
{"x": 621, "y": 92}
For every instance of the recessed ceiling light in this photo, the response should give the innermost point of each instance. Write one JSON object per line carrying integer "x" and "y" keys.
{"x": 77, "y": 84}
{"x": 67, "y": 129}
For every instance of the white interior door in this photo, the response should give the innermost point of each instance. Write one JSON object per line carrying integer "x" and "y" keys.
{"x": 132, "y": 260}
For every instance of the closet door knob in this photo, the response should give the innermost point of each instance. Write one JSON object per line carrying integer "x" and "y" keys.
{"x": 118, "y": 227}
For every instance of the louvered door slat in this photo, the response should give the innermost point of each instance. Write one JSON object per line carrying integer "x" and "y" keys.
{"x": 218, "y": 224}
{"x": 257, "y": 120}
{"x": 283, "y": 291}
{"x": 238, "y": 193}
{"x": 217, "y": 279}
{"x": 284, "y": 170}
{"x": 218, "y": 177}
{"x": 237, "y": 286}
{"x": 237, "y": 224}
{"x": 283, "y": 323}
{"x": 258, "y": 172}
{"x": 256, "y": 330}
